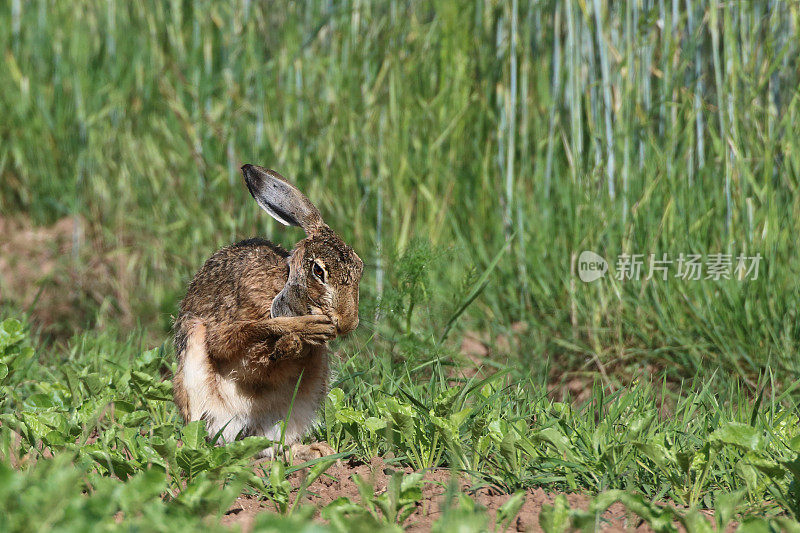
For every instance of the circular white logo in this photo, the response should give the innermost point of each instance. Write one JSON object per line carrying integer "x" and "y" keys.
{"x": 591, "y": 266}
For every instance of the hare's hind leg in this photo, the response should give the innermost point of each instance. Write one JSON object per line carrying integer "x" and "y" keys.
{"x": 198, "y": 375}
{"x": 179, "y": 392}
{"x": 201, "y": 388}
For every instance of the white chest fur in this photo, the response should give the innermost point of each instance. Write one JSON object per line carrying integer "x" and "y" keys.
{"x": 236, "y": 410}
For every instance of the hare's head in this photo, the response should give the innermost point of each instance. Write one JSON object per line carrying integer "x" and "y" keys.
{"x": 324, "y": 272}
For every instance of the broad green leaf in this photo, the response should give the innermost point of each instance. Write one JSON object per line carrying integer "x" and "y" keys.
{"x": 151, "y": 388}
{"x": 684, "y": 460}
{"x": 555, "y": 518}
{"x": 15, "y": 423}
{"x": 166, "y": 448}
{"x": 657, "y": 453}
{"x": 739, "y": 435}
{"x": 247, "y": 447}
{"x": 749, "y": 474}
{"x": 755, "y": 525}
{"x": 95, "y": 383}
{"x": 345, "y": 515}
{"x": 36, "y": 428}
{"x": 135, "y": 419}
{"x": 10, "y": 333}
{"x": 639, "y": 424}
{"x": 347, "y": 415}
{"x": 192, "y": 460}
{"x": 114, "y": 463}
{"x": 364, "y": 489}
{"x": 448, "y": 430}
{"x": 299, "y": 521}
{"x": 768, "y": 466}
{"x": 508, "y": 511}
{"x": 787, "y": 525}
{"x": 410, "y": 482}
{"x": 336, "y": 397}
{"x": 696, "y": 522}
{"x": 508, "y": 449}
{"x": 458, "y": 418}
{"x": 557, "y": 439}
{"x": 342, "y": 503}
{"x": 149, "y": 360}
{"x": 277, "y": 474}
{"x": 561, "y": 410}
{"x": 161, "y": 391}
{"x": 444, "y": 400}
{"x": 204, "y": 494}
{"x": 55, "y": 438}
{"x": 194, "y": 434}
{"x": 145, "y": 485}
{"x": 401, "y": 416}
{"x": 374, "y": 424}
{"x": 38, "y": 402}
{"x": 497, "y": 430}
{"x": 794, "y": 468}
{"x": 121, "y": 407}
{"x": 725, "y": 505}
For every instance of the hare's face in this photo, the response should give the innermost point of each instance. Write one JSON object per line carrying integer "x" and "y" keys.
{"x": 332, "y": 272}
{"x": 324, "y": 272}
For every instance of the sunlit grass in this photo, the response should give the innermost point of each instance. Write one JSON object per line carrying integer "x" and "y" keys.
{"x": 466, "y": 126}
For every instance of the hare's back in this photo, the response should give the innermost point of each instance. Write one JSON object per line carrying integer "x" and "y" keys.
{"x": 246, "y": 274}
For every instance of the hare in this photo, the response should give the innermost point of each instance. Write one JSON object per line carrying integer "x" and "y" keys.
{"x": 255, "y": 321}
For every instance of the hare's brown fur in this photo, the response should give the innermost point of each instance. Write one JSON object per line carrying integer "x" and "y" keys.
{"x": 241, "y": 353}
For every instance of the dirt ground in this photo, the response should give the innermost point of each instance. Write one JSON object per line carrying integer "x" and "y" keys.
{"x": 338, "y": 482}
{"x": 57, "y": 274}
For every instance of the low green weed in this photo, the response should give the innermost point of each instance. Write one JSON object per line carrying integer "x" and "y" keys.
{"x": 391, "y": 508}
{"x": 110, "y": 416}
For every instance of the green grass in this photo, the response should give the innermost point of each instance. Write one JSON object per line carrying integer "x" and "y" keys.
{"x": 96, "y": 434}
{"x": 469, "y": 154}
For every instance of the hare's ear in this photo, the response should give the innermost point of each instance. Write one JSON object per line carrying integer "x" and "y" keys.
{"x": 282, "y": 200}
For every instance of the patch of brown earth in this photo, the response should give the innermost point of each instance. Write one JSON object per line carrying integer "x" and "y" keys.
{"x": 56, "y": 273}
{"x": 338, "y": 482}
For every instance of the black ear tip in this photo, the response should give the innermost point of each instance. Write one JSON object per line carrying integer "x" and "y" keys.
{"x": 250, "y": 179}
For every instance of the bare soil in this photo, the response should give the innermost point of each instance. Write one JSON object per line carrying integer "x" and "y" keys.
{"x": 338, "y": 482}
{"x": 57, "y": 273}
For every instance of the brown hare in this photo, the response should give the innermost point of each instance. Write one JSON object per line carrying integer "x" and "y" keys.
{"x": 256, "y": 319}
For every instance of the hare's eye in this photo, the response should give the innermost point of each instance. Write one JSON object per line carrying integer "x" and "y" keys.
{"x": 318, "y": 272}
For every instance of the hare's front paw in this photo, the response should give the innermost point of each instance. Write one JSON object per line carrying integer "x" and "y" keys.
{"x": 315, "y": 329}
{"x": 288, "y": 347}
